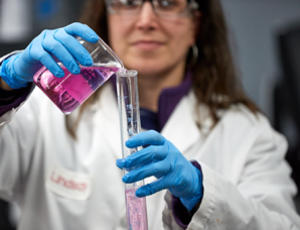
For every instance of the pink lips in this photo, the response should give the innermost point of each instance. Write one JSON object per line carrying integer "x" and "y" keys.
{"x": 147, "y": 45}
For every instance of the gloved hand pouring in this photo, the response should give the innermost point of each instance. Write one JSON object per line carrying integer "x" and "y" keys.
{"x": 51, "y": 45}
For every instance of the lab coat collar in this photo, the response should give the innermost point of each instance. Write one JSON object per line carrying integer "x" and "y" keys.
{"x": 108, "y": 116}
{"x": 181, "y": 128}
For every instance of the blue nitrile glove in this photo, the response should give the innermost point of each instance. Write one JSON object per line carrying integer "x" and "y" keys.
{"x": 58, "y": 44}
{"x": 160, "y": 158}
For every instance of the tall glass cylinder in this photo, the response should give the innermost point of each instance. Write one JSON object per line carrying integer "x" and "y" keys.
{"x": 128, "y": 101}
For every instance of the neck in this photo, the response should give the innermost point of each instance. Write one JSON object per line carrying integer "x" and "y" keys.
{"x": 151, "y": 86}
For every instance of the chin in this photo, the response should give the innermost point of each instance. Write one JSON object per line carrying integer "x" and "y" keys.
{"x": 146, "y": 67}
{"x": 147, "y": 71}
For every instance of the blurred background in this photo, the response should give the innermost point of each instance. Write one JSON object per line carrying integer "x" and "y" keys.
{"x": 265, "y": 39}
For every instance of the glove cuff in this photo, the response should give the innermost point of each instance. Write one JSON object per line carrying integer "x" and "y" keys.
{"x": 191, "y": 203}
{"x": 8, "y": 74}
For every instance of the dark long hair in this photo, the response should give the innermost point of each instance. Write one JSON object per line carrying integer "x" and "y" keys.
{"x": 213, "y": 72}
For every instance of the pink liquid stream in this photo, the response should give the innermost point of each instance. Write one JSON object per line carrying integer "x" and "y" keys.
{"x": 72, "y": 90}
{"x": 136, "y": 211}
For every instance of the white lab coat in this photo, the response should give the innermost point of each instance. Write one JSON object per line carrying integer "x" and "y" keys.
{"x": 246, "y": 181}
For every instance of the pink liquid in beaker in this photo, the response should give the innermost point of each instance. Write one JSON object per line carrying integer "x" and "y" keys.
{"x": 136, "y": 211}
{"x": 73, "y": 89}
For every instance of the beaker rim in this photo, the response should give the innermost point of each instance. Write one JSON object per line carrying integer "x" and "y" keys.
{"x": 127, "y": 72}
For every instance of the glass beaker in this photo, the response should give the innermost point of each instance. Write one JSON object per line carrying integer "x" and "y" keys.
{"x": 72, "y": 90}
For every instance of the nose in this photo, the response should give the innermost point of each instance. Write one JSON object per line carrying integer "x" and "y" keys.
{"x": 147, "y": 19}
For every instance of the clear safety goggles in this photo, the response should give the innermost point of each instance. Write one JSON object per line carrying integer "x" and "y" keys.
{"x": 163, "y": 8}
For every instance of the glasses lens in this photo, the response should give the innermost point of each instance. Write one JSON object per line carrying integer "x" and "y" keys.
{"x": 124, "y": 6}
{"x": 163, "y": 8}
{"x": 169, "y": 7}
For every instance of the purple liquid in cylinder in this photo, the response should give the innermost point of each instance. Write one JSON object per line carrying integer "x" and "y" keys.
{"x": 136, "y": 211}
{"x": 73, "y": 89}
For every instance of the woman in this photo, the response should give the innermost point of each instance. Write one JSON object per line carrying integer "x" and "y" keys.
{"x": 217, "y": 163}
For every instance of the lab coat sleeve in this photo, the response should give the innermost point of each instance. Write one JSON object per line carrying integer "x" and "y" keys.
{"x": 261, "y": 197}
{"x": 18, "y": 134}
{"x": 6, "y": 113}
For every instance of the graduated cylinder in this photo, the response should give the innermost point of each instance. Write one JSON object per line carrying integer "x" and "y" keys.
{"x": 130, "y": 125}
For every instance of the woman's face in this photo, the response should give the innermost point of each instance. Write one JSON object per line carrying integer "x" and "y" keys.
{"x": 150, "y": 44}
